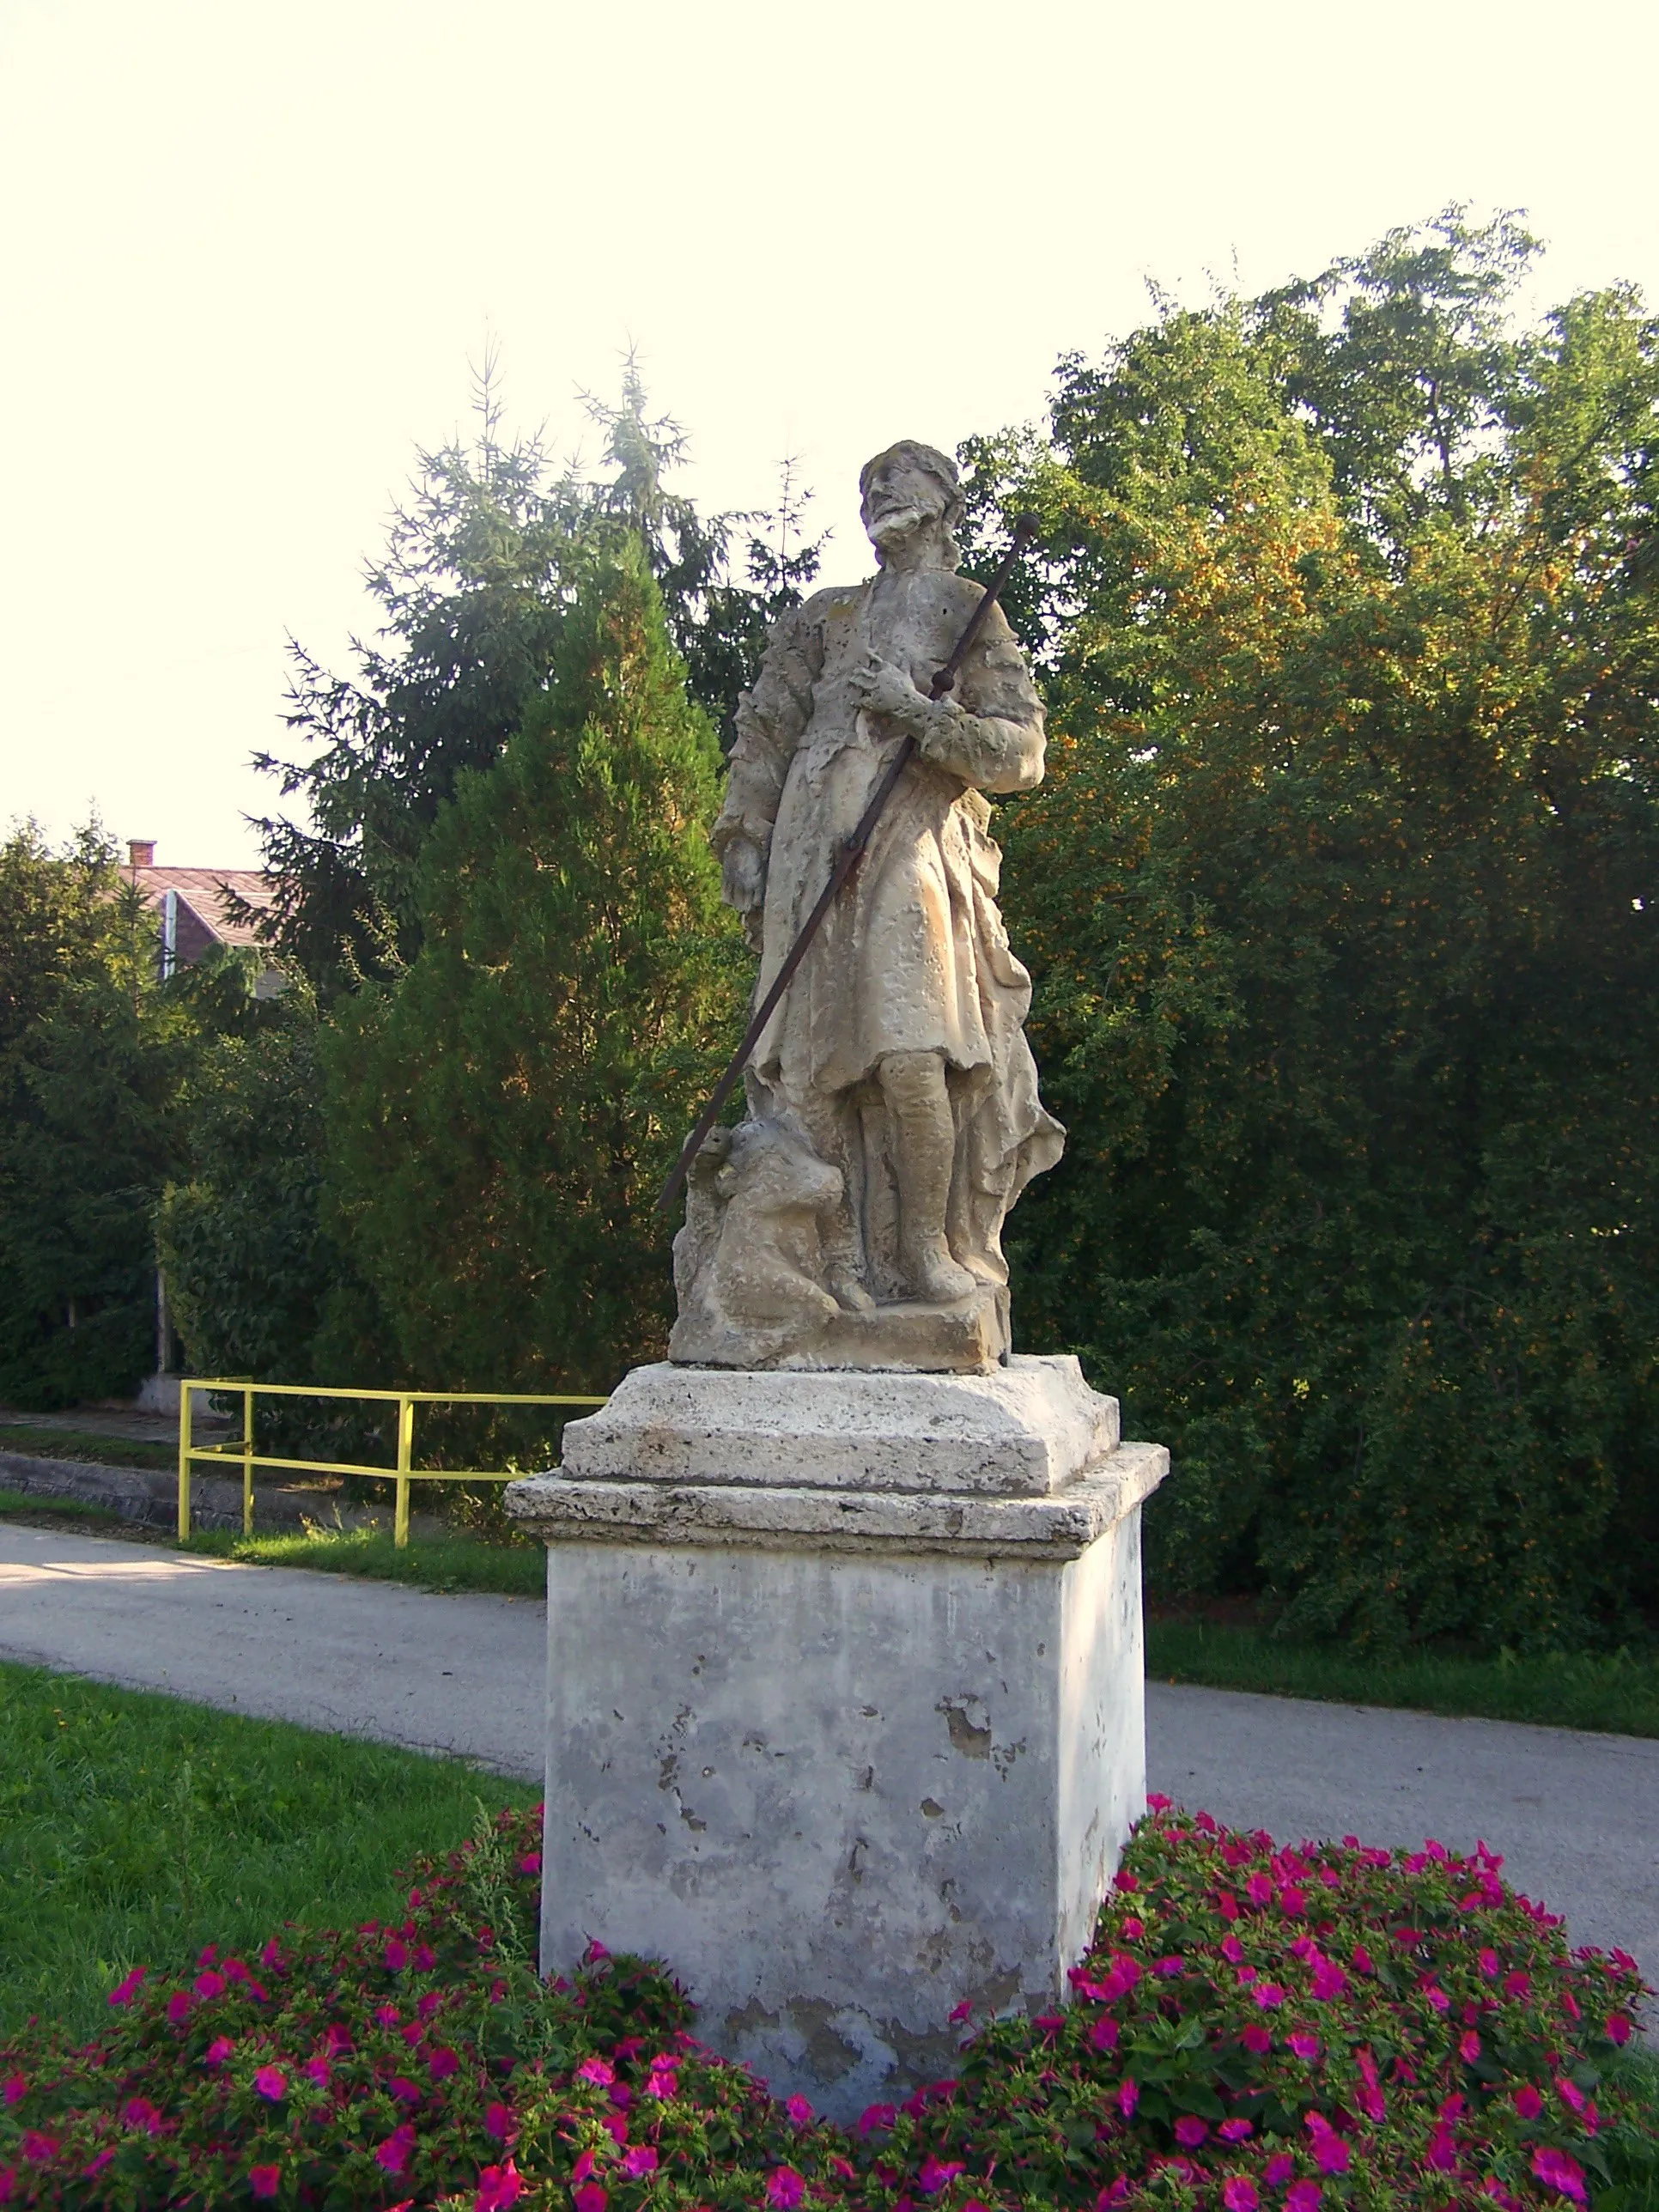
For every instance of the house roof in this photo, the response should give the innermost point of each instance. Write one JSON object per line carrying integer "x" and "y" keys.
{"x": 204, "y": 891}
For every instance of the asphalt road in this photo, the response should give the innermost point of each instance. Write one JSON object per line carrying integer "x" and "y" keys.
{"x": 1576, "y": 1815}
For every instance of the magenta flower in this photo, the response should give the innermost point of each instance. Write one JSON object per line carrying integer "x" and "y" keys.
{"x": 125, "y": 1990}
{"x": 588, "y": 2197}
{"x": 1517, "y": 1984}
{"x": 1125, "y": 1880}
{"x": 936, "y": 2175}
{"x": 1442, "y": 2152}
{"x": 397, "y": 1956}
{"x": 1302, "y": 2197}
{"x": 1469, "y": 2047}
{"x": 1559, "y": 2171}
{"x": 1305, "y": 2047}
{"x": 1329, "y": 1982}
{"x": 1268, "y": 1994}
{"x": 1162, "y": 1804}
{"x": 218, "y": 2050}
{"x": 1331, "y": 2154}
{"x": 1233, "y": 2131}
{"x": 264, "y": 2180}
{"x": 271, "y": 2081}
{"x": 179, "y": 2007}
{"x": 395, "y": 2152}
{"x": 403, "y": 2089}
{"x": 1260, "y": 1889}
{"x": 531, "y": 1863}
{"x": 90, "y": 2171}
{"x": 1528, "y": 2102}
{"x": 16, "y": 2088}
{"x": 141, "y": 2116}
{"x": 441, "y": 2063}
{"x": 498, "y": 2122}
{"x": 800, "y": 2111}
{"x": 1190, "y": 2130}
{"x": 1279, "y": 2169}
{"x": 784, "y": 2188}
{"x": 1255, "y": 2037}
{"x": 639, "y": 2158}
{"x": 1363, "y": 1963}
{"x": 1238, "y": 2195}
{"x": 318, "y": 2070}
{"x": 600, "y": 2070}
{"x": 1129, "y": 2096}
{"x": 663, "y": 2081}
{"x": 1617, "y": 2028}
{"x": 1133, "y": 1931}
{"x": 388, "y": 2015}
{"x": 1104, "y": 2034}
{"x": 1292, "y": 1901}
{"x": 499, "y": 2187}
{"x": 964, "y": 2011}
{"x": 39, "y": 2149}
{"x": 211, "y": 1983}
{"x": 876, "y": 2116}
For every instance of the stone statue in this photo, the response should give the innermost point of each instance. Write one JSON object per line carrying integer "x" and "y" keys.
{"x": 896, "y": 1059}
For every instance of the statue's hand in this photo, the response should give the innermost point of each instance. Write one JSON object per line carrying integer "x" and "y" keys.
{"x": 883, "y": 689}
{"x": 743, "y": 881}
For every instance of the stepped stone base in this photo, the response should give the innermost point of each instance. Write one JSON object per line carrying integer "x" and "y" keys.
{"x": 845, "y": 1702}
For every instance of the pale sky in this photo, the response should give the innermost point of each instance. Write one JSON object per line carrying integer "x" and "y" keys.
{"x": 247, "y": 254}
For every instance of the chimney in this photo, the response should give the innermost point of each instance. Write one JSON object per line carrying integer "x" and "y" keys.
{"x": 140, "y": 852}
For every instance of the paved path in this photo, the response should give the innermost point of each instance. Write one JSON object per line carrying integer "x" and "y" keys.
{"x": 1576, "y": 1815}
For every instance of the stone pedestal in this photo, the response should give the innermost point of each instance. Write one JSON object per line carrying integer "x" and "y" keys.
{"x": 845, "y": 1700}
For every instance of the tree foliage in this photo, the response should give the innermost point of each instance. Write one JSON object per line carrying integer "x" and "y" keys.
{"x": 503, "y": 1113}
{"x": 250, "y": 1266}
{"x": 1340, "y": 896}
{"x": 94, "y": 1054}
{"x": 480, "y": 568}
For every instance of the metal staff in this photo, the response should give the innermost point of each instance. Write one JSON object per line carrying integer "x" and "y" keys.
{"x": 847, "y": 860}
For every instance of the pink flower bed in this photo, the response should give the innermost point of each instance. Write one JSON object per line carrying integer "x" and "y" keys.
{"x": 1254, "y": 2030}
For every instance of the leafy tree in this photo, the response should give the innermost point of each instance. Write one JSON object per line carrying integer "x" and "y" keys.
{"x": 250, "y": 1263}
{"x": 93, "y": 1053}
{"x": 501, "y": 1114}
{"x": 1340, "y": 896}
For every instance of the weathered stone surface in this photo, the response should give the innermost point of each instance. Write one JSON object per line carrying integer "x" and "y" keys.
{"x": 842, "y": 1794}
{"x": 733, "y": 1514}
{"x": 854, "y": 1218}
{"x": 1026, "y": 1428}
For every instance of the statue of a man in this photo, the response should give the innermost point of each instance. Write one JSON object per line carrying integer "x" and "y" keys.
{"x": 898, "y": 1054}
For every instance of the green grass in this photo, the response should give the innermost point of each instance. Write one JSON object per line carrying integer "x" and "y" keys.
{"x": 21, "y": 1501}
{"x": 1617, "y": 1694}
{"x": 448, "y": 1563}
{"x": 77, "y": 1444}
{"x": 134, "y": 1829}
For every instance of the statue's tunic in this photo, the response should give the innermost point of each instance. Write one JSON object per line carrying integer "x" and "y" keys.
{"x": 912, "y": 956}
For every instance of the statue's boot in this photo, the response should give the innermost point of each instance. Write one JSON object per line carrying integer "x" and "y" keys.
{"x": 924, "y": 1155}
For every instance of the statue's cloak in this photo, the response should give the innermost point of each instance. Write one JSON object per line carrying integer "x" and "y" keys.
{"x": 912, "y": 956}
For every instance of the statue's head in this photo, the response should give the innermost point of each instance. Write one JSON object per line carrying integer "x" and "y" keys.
{"x": 910, "y": 492}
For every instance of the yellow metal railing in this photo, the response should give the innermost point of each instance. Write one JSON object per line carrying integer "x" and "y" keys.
{"x": 403, "y": 1475}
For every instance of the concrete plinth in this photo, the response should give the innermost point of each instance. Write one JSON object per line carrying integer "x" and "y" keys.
{"x": 842, "y": 1756}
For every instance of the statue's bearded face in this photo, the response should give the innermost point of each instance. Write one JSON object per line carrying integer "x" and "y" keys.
{"x": 901, "y": 498}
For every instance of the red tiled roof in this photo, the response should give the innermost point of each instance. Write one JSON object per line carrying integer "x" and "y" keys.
{"x": 202, "y": 890}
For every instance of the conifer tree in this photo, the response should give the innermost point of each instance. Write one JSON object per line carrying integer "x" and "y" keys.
{"x": 503, "y": 1113}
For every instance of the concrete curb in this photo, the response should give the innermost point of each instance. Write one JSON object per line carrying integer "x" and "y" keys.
{"x": 150, "y": 1497}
